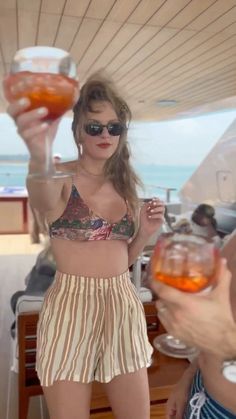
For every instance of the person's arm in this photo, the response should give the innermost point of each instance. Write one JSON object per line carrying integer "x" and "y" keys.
{"x": 177, "y": 400}
{"x": 150, "y": 220}
{"x": 228, "y": 350}
{"x": 44, "y": 193}
{"x": 136, "y": 247}
{"x": 228, "y": 251}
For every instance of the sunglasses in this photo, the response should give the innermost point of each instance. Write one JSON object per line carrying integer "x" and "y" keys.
{"x": 96, "y": 128}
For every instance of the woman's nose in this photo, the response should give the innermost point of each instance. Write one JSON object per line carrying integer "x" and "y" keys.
{"x": 105, "y": 133}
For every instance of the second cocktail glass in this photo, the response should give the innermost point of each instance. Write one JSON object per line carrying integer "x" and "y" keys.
{"x": 188, "y": 263}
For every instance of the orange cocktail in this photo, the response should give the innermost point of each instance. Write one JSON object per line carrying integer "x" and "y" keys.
{"x": 56, "y": 92}
{"x": 188, "y": 263}
{"x": 185, "y": 262}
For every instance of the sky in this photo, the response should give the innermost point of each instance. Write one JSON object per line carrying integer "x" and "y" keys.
{"x": 183, "y": 142}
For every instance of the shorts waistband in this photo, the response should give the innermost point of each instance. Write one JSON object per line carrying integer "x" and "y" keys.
{"x": 61, "y": 276}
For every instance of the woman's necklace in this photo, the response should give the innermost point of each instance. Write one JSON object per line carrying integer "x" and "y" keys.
{"x": 90, "y": 173}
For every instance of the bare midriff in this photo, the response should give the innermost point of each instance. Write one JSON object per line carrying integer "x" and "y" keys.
{"x": 98, "y": 258}
{"x": 215, "y": 384}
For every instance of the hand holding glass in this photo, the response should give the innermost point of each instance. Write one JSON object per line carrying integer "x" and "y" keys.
{"x": 188, "y": 263}
{"x": 47, "y": 77}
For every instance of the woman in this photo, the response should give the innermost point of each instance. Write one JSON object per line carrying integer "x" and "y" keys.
{"x": 92, "y": 325}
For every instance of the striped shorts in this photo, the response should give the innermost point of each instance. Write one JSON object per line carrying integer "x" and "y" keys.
{"x": 202, "y": 406}
{"x": 91, "y": 329}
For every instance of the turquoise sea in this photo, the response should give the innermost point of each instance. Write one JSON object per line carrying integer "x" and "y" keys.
{"x": 164, "y": 177}
{"x": 14, "y": 173}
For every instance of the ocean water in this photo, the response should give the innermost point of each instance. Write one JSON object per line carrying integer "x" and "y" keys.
{"x": 152, "y": 176}
{"x": 13, "y": 174}
{"x": 155, "y": 178}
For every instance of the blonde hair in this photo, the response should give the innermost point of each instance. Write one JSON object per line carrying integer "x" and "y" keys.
{"x": 117, "y": 168}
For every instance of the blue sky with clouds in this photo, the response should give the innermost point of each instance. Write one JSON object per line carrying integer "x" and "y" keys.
{"x": 177, "y": 142}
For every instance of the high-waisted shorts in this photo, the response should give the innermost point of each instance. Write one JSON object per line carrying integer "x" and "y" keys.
{"x": 91, "y": 329}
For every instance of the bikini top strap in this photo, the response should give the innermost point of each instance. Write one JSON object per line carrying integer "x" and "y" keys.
{"x": 73, "y": 176}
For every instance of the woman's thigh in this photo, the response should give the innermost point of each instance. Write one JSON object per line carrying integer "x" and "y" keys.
{"x": 128, "y": 395}
{"x": 68, "y": 400}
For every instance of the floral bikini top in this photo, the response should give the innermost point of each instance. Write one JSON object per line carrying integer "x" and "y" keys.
{"x": 79, "y": 222}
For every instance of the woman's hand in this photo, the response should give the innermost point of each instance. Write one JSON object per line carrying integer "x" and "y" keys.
{"x": 32, "y": 129}
{"x": 151, "y": 217}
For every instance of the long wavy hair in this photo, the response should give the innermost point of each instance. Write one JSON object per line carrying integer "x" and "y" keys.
{"x": 117, "y": 168}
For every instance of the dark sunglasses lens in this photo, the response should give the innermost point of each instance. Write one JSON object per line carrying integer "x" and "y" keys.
{"x": 93, "y": 129}
{"x": 115, "y": 128}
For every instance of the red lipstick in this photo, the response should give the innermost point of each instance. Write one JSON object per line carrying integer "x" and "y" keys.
{"x": 103, "y": 145}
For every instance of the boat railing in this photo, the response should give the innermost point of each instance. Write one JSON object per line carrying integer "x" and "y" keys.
{"x": 167, "y": 191}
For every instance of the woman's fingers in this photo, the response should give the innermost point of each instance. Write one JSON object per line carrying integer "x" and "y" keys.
{"x": 29, "y": 124}
{"x": 28, "y": 119}
{"x": 155, "y": 202}
{"x": 167, "y": 293}
{"x": 32, "y": 132}
{"x": 39, "y": 127}
{"x": 156, "y": 215}
{"x": 156, "y": 209}
{"x": 17, "y": 107}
